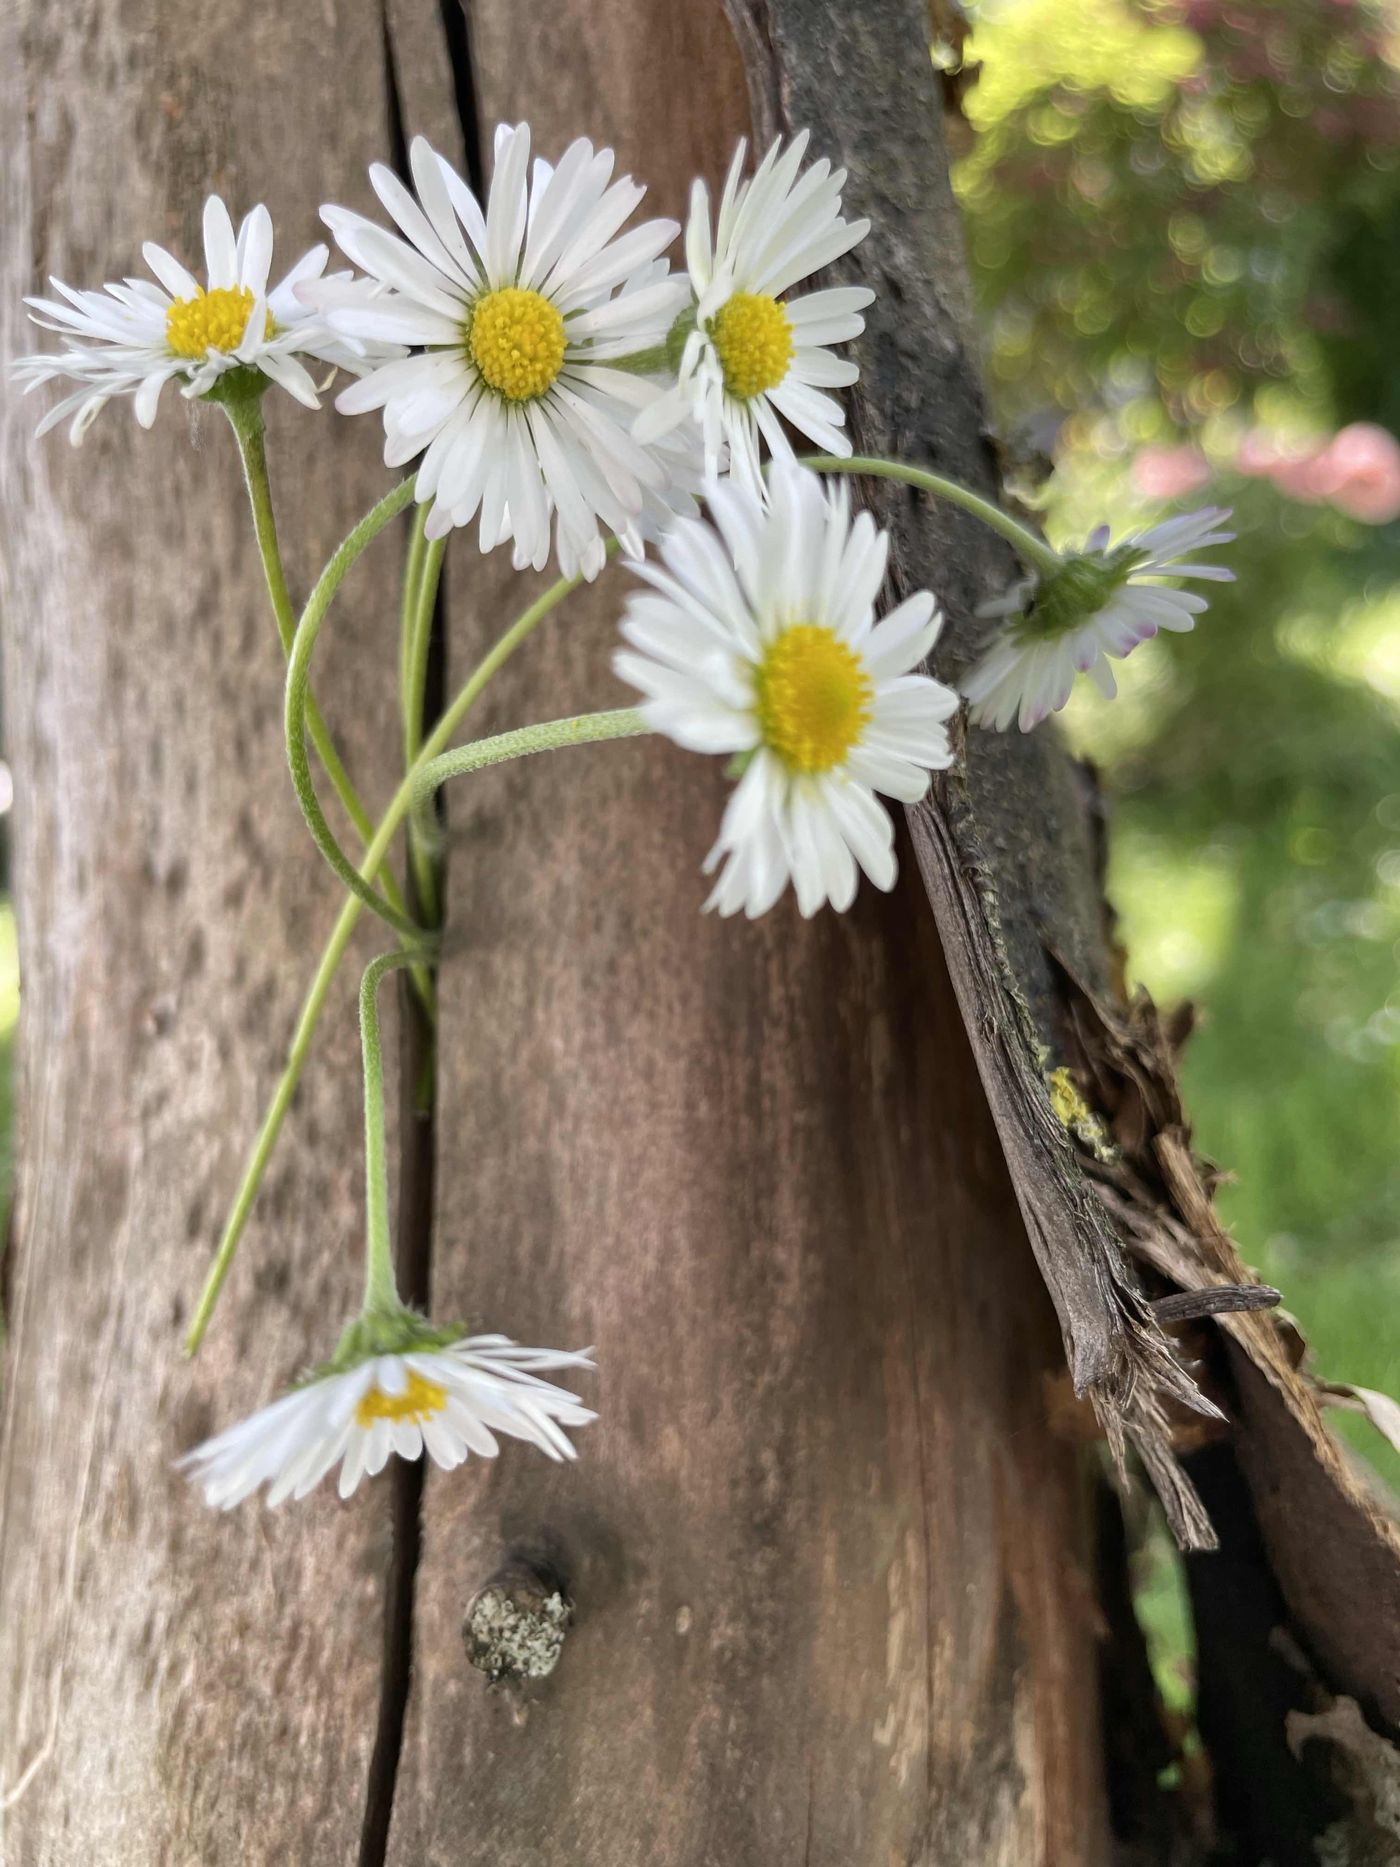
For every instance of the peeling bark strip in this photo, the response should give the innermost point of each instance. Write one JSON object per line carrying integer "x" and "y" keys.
{"x": 1008, "y": 842}
{"x": 1331, "y": 1536}
{"x": 1009, "y": 849}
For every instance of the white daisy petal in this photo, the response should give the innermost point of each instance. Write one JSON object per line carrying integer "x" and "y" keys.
{"x": 449, "y": 1399}
{"x": 220, "y": 247}
{"x": 133, "y": 337}
{"x": 756, "y": 638}
{"x": 1027, "y": 670}
{"x": 172, "y": 275}
{"x": 520, "y": 427}
{"x": 253, "y": 255}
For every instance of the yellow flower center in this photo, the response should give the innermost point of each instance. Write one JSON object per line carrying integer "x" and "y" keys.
{"x": 516, "y": 340}
{"x": 418, "y": 1402}
{"x": 753, "y": 336}
{"x": 211, "y": 321}
{"x": 815, "y": 698}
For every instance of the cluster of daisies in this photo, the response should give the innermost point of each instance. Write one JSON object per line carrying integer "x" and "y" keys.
{"x": 559, "y": 387}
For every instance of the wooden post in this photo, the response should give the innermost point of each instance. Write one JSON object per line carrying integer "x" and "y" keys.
{"x": 827, "y": 1565}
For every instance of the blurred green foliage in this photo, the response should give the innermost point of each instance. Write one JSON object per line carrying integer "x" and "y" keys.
{"x": 1174, "y": 205}
{"x": 1185, "y": 222}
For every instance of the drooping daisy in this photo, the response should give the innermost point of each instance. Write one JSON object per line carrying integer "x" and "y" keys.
{"x": 517, "y": 313}
{"x": 133, "y": 338}
{"x": 758, "y": 639}
{"x": 1102, "y": 601}
{"x": 451, "y": 1398}
{"x": 753, "y": 357}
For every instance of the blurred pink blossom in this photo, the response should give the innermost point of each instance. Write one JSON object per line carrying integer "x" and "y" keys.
{"x": 1360, "y": 473}
{"x": 1357, "y": 471}
{"x": 1169, "y": 472}
{"x": 1258, "y": 454}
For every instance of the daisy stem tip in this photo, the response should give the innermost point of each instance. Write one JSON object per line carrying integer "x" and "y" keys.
{"x": 1034, "y": 550}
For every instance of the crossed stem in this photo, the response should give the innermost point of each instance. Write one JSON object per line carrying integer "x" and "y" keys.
{"x": 428, "y": 764}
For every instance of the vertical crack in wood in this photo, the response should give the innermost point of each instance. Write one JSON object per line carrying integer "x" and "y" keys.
{"x": 417, "y": 1146}
{"x": 456, "y": 31}
{"x": 417, "y": 1137}
{"x": 404, "y": 1480}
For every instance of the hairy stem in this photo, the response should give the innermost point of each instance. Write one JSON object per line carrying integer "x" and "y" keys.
{"x": 1034, "y": 550}
{"x": 297, "y": 692}
{"x": 419, "y": 640}
{"x": 548, "y": 736}
{"x": 381, "y": 1285}
{"x": 245, "y": 417}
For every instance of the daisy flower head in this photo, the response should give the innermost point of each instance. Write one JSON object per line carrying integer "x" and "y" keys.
{"x": 757, "y": 638}
{"x": 1099, "y": 604}
{"x": 134, "y": 337}
{"x": 750, "y": 357}
{"x": 515, "y": 313}
{"x": 448, "y": 1397}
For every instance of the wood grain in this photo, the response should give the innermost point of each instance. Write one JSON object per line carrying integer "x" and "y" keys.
{"x": 827, "y": 1562}
{"x": 176, "y": 1686}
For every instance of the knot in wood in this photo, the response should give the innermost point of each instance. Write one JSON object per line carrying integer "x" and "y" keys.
{"x": 515, "y": 1625}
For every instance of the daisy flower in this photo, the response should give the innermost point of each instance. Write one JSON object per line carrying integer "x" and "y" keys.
{"x": 1101, "y": 602}
{"x": 516, "y": 312}
{"x": 133, "y": 338}
{"x": 758, "y": 640}
{"x": 452, "y": 1398}
{"x": 750, "y": 356}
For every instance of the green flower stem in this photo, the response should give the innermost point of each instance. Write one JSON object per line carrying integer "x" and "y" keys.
{"x": 548, "y": 736}
{"x": 1034, "y": 550}
{"x": 296, "y": 696}
{"x": 381, "y": 1286}
{"x": 419, "y": 639}
{"x": 246, "y": 419}
{"x": 436, "y": 742}
{"x": 412, "y": 573}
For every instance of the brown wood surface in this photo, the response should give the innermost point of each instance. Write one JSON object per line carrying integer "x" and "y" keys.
{"x": 830, "y": 1569}
{"x": 828, "y": 1565}
{"x": 175, "y": 1686}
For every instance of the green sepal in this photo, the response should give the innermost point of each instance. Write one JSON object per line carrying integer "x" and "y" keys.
{"x": 678, "y": 335}
{"x": 739, "y": 763}
{"x": 243, "y": 387}
{"x": 1071, "y": 595}
{"x": 401, "y": 1331}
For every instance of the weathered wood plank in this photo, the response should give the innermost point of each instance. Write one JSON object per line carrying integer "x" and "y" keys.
{"x": 825, "y": 1555}
{"x": 174, "y": 1686}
